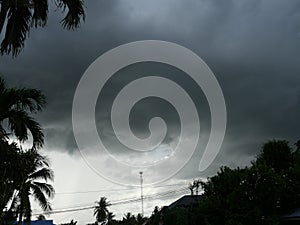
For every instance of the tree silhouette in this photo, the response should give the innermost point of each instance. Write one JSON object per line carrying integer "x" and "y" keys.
{"x": 16, "y": 105}
{"x": 276, "y": 154}
{"x": 21, "y": 15}
{"x": 191, "y": 188}
{"x": 258, "y": 194}
{"x": 35, "y": 170}
{"x": 24, "y": 173}
{"x": 194, "y": 187}
{"x": 101, "y": 210}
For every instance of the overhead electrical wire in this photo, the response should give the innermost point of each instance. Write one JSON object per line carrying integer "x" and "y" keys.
{"x": 119, "y": 202}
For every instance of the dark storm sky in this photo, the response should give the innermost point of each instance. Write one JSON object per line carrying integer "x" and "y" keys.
{"x": 252, "y": 46}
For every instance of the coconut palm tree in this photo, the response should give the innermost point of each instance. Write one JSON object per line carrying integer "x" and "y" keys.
{"x": 21, "y": 15}
{"x": 101, "y": 211}
{"x": 35, "y": 171}
{"x": 16, "y": 104}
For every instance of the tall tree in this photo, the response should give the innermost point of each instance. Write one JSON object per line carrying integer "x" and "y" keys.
{"x": 16, "y": 106}
{"x": 101, "y": 210}
{"x": 24, "y": 173}
{"x": 21, "y": 15}
{"x": 35, "y": 171}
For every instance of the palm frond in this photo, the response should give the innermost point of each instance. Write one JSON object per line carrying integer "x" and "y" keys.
{"x": 44, "y": 173}
{"x": 3, "y": 13}
{"x": 40, "y": 160}
{"x": 26, "y": 99}
{"x": 19, "y": 122}
{"x": 32, "y": 162}
{"x": 74, "y": 15}
{"x": 2, "y": 85}
{"x": 40, "y": 13}
{"x": 14, "y": 203}
{"x": 40, "y": 198}
{"x": 46, "y": 188}
{"x": 96, "y": 210}
{"x": 17, "y": 28}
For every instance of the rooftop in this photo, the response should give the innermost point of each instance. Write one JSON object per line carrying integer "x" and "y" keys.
{"x": 186, "y": 201}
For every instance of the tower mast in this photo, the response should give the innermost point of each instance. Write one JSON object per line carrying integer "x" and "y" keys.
{"x": 142, "y": 196}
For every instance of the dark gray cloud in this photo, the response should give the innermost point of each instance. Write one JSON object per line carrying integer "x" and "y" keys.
{"x": 251, "y": 46}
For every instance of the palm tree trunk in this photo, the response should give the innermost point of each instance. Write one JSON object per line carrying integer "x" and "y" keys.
{"x": 3, "y": 13}
{"x": 20, "y": 214}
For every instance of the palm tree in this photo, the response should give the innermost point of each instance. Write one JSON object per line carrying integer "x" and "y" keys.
{"x": 16, "y": 105}
{"x": 35, "y": 170}
{"x": 22, "y": 15}
{"x": 20, "y": 169}
{"x": 100, "y": 210}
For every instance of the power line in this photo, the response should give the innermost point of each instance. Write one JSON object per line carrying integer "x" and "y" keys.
{"x": 123, "y": 201}
{"x": 133, "y": 199}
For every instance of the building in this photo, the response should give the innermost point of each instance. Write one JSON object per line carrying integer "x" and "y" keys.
{"x": 186, "y": 201}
